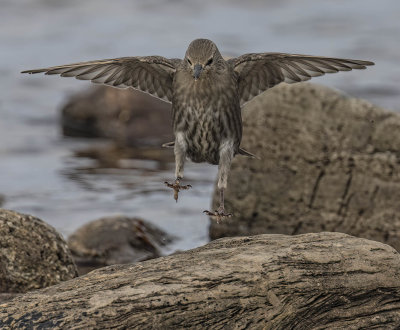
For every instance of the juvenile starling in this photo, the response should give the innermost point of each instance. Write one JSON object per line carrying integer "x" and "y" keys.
{"x": 207, "y": 93}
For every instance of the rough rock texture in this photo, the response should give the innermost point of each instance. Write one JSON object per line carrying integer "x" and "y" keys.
{"x": 127, "y": 116}
{"x": 32, "y": 254}
{"x": 328, "y": 163}
{"x": 311, "y": 281}
{"x": 115, "y": 240}
{"x": 4, "y": 296}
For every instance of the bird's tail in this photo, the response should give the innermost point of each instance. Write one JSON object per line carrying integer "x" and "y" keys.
{"x": 169, "y": 145}
{"x": 247, "y": 154}
{"x": 240, "y": 152}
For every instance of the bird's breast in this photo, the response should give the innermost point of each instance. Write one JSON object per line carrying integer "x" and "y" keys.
{"x": 205, "y": 116}
{"x": 204, "y": 129}
{"x": 200, "y": 129}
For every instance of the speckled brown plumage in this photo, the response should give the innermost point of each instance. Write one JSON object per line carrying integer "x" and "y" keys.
{"x": 207, "y": 93}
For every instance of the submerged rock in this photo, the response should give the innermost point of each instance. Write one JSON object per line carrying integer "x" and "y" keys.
{"x": 328, "y": 162}
{"x": 33, "y": 254}
{"x": 128, "y": 116}
{"x": 115, "y": 240}
{"x": 324, "y": 281}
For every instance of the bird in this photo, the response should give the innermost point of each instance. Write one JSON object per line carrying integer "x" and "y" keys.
{"x": 207, "y": 92}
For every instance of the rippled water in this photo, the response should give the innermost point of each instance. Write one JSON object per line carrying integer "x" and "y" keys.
{"x": 39, "y": 173}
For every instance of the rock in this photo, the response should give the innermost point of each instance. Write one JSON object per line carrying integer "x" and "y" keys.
{"x": 2, "y": 199}
{"x": 5, "y": 296}
{"x": 32, "y": 254}
{"x": 328, "y": 163}
{"x": 324, "y": 281}
{"x": 115, "y": 240}
{"x": 127, "y": 116}
{"x": 110, "y": 155}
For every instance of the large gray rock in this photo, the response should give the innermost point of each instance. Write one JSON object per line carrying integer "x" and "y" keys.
{"x": 115, "y": 240}
{"x": 328, "y": 163}
{"x": 32, "y": 254}
{"x": 129, "y": 117}
{"x": 318, "y": 281}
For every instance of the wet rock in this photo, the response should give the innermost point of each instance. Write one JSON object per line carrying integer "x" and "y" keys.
{"x": 328, "y": 163}
{"x": 112, "y": 156}
{"x": 115, "y": 240}
{"x": 32, "y": 254}
{"x": 129, "y": 117}
{"x": 324, "y": 281}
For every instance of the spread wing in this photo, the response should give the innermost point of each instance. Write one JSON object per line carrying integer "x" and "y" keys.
{"x": 150, "y": 74}
{"x": 258, "y": 72}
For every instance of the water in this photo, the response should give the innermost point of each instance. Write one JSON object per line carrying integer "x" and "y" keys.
{"x": 39, "y": 173}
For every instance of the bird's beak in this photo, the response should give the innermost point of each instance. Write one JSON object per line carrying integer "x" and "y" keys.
{"x": 198, "y": 68}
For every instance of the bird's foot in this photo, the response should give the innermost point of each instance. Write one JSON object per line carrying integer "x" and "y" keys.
{"x": 218, "y": 215}
{"x": 177, "y": 187}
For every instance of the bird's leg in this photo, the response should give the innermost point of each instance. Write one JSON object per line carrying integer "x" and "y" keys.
{"x": 221, "y": 208}
{"x": 180, "y": 156}
{"x": 226, "y": 155}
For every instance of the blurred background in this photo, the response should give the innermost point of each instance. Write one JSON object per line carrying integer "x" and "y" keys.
{"x": 40, "y": 172}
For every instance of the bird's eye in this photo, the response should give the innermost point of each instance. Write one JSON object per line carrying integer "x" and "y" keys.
{"x": 209, "y": 61}
{"x": 188, "y": 61}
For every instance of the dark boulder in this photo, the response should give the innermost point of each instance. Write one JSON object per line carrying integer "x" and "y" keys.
{"x": 115, "y": 240}
{"x": 129, "y": 117}
{"x": 33, "y": 254}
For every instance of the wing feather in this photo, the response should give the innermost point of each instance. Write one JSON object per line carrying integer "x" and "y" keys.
{"x": 150, "y": 74}
{"x": 258, "y": 72}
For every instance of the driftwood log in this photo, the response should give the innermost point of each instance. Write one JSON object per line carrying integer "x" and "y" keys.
{"x": 309, "y": 281}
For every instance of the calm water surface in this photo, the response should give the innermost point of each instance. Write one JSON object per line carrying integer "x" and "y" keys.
{"x": 39, "y": 173}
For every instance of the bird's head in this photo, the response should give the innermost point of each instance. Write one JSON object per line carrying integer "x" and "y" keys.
{"x": 202, "y": 56}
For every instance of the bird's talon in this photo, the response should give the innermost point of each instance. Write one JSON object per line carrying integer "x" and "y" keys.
{"x": 177, "y": 187}
{"x": 218, "y": 215}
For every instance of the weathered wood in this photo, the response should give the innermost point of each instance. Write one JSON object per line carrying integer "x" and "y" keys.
{"x": 310, "y": 281}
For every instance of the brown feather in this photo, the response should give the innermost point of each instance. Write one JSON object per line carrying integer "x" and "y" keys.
{"x": 151, "y": 74}
{"x": 279, "y": 67}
